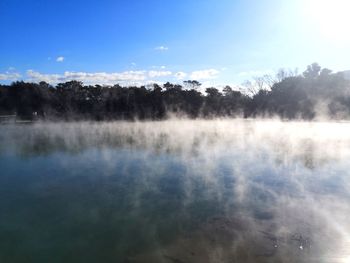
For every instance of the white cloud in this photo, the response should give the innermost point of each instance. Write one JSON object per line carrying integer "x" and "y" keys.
{"x": 60, "y": 59}
{"x": 126, "y": 78}
{"x": 9, "y": 75}
{"x": 180, "y": 75}
{"x": 161, "y": 48}
{"x": 204, "y": 74}
{"x": 157, "y": 74}
{"x": 35, "y": 76}
{"x": 89, "y": 78}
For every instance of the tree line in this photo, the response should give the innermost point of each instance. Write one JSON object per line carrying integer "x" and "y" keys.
{"x": 288, "y": 95}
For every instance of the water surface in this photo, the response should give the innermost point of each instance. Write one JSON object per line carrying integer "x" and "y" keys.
{"x": 175, "y": 191}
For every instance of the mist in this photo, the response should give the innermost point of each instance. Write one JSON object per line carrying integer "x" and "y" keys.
{"x": 179, "y": 190}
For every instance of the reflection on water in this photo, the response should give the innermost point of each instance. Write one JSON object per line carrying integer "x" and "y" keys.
{"x": 176, "y": 191}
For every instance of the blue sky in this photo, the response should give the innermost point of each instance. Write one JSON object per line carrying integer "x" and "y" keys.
{"x": 135, "y": 41}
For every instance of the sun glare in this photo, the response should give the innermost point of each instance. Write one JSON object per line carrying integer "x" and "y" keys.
{"x": 331, "y": 18}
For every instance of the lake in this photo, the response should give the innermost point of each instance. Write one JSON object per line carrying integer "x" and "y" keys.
{"x": 175, "y": 191}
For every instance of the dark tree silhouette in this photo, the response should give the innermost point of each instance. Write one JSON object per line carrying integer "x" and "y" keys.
{"x": 287, "y": 95}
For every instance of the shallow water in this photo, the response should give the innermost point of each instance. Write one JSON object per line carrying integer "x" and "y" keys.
{"x": 175, "y": 191}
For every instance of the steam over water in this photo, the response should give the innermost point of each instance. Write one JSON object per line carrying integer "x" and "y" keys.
{"x": 175, "y": 191}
